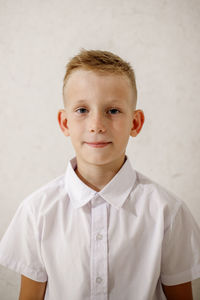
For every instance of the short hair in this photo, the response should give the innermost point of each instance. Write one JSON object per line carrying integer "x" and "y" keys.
{"x": 103, "y": 62}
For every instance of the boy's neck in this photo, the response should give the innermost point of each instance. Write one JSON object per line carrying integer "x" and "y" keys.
{"x": 96, "y": 177}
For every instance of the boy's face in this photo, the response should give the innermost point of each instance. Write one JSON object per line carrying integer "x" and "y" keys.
{"x": 99, "y": 116}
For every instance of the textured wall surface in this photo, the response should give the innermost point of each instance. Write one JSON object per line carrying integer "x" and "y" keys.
{"x": 161, "y": 40}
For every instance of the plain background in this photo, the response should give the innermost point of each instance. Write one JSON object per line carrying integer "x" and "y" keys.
{"x": 160, "y": 38}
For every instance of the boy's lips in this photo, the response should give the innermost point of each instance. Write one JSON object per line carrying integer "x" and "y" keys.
{"x": 98, "y": 144}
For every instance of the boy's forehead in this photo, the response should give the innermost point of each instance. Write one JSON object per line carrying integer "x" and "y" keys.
{"x": 86, "y": 81}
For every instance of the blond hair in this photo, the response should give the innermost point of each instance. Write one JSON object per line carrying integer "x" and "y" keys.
{"x": 101, "y": 61}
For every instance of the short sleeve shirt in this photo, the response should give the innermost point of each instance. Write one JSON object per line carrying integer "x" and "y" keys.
{"x": 122, "y": 242}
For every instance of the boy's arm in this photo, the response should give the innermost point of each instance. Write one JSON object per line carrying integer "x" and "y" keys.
{"x": 32, "y": 290}
{"x": 178, "y": 292}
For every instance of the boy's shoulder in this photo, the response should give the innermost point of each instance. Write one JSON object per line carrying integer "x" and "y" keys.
{"x": 150, "y": 186}
{"x": 46, "y": 195}
{"x": 153, "y": 189}
{"x": 156, "y": 198}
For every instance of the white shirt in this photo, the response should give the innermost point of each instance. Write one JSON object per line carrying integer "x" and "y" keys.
{"x": 116, "y": 244}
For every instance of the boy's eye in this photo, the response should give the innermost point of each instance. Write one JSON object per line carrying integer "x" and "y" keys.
{"x": 114, "y": 111}
{"x": 81, "y": 110}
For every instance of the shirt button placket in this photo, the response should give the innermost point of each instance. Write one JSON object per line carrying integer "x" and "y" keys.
{"x": 99, "y": 256}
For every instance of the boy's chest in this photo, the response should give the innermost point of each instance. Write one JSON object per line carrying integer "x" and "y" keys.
{"x": 103, "y": 250}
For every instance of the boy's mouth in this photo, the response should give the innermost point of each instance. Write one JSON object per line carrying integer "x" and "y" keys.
{"x": 98, "y": 144}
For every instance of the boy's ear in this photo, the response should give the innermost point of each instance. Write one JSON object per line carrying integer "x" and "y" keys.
{"x": 62, "y": 120}
{"x": 138, "y": 121}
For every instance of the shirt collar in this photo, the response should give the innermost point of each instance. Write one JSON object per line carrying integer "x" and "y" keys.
{"x": 115, "y": 192}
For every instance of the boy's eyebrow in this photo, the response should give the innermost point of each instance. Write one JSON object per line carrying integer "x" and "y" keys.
{"x": 113, "y": 101}
{"x": 80, "y": 101}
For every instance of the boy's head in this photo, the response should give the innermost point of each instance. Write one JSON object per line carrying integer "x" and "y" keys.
{"x": 102, "y": 62}
{"x": 99, "y": 97}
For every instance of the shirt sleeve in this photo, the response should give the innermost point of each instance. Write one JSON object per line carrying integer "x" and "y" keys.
{"x": 181, "y": 249}
{"x": 20, "y": 245}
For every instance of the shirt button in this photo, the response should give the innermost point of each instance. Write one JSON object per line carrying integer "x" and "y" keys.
{"x": 98, "y": 279}
{"x": 99, "y": 236}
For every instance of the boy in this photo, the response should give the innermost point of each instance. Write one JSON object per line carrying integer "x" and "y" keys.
{"x": 102, "y": 230}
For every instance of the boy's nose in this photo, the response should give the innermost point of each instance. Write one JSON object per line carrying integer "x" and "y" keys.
{"x": 97, "y": 124}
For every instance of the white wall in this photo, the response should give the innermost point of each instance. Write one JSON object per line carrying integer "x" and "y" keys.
{"x": 159, "y": 37}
